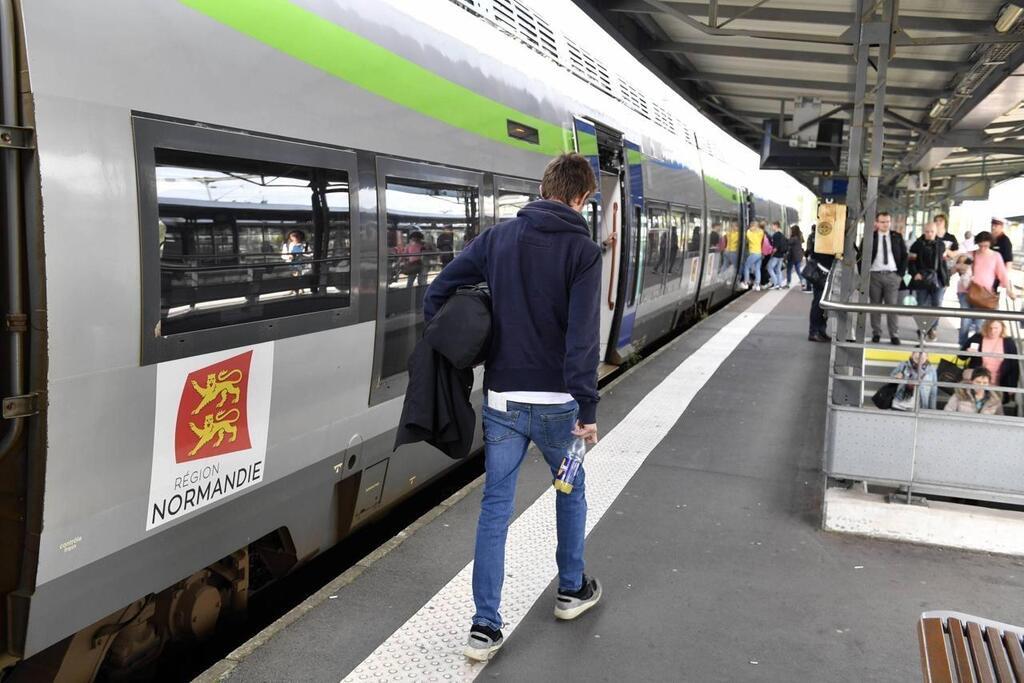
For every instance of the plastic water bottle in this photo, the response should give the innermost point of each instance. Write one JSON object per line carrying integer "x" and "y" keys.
{"x": 571, "y": 464}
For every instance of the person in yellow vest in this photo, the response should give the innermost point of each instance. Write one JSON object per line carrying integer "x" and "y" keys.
{"x": 731, "y": 256}
{"x": 752, "y": 266}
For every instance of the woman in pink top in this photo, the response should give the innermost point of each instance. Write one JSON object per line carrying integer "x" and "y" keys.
{"x": 988, "y": 267}
{"x": 1005, "y": 371}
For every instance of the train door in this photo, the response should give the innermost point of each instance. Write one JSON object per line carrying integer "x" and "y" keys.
{"x": 629, "y": 249}
{"x": 603, "y": 147}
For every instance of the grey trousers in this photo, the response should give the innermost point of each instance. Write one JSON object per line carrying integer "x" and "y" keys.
{"x": 885, "y": 288}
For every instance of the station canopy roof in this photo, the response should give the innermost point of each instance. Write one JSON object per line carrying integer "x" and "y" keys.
{"x": 954, "y": 89}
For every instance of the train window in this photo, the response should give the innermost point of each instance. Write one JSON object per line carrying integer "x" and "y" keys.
{"x": 657, "y": 249}
{"x": 678, "y": 232}
{"x": 245, "y": 240}
{"x": 694, "y": 233}
{"x": 510, "y": 201}
{"x": 638, "y": 251}
{"x": 428, "y": 224}
{"x": 590, "y": 215}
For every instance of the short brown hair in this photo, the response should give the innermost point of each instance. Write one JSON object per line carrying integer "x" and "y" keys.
{"x": 941, "y": 217}
{"x": 567, "y": 178}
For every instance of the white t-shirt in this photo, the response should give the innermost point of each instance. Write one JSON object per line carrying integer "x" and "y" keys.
{"x": 499, "y": 399}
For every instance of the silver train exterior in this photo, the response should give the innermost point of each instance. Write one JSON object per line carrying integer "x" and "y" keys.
{"x": 383, "y": 112}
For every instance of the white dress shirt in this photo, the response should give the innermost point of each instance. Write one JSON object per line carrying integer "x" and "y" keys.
{"x": 884, "y": 261}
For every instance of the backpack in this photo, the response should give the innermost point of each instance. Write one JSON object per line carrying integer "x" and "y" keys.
{"x": 766, "y": 246}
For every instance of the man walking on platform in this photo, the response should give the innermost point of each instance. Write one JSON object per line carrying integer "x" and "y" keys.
{"x": 1000, "y": 240}
{"x": 540, "y": 382}
{"x": 888, "y": 265}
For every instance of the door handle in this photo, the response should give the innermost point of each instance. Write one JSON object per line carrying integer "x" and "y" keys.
{"x": 612, "y": 240}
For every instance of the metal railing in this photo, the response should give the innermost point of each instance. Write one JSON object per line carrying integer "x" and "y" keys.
{"x": 921, "y": 450}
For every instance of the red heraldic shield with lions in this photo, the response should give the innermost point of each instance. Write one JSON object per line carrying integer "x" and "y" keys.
{"x": 212, "y": 417}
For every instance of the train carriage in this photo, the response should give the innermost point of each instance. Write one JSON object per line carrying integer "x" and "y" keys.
{"x": 203, "y": 406}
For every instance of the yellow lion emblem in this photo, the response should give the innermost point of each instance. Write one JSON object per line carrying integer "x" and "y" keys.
{"x": 223, "y": 384}
{"x": 216, "y": 427}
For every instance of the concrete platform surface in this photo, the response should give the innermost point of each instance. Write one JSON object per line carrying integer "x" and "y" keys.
{"x": 713, "y": 561}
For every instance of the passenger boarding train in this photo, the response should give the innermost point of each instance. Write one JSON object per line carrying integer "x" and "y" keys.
{"x": 221, "y": 219}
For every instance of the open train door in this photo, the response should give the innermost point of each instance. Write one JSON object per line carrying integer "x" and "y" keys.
{"x": 603, "y": 214}
{"x": 630, "y": 251}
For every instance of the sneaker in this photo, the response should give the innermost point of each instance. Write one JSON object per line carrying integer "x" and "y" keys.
{"x": 876, "y": 338}
{"x": 931, "y": 335}
{"x": 757, "y": 288}
{"x": 785, "y": 286}
{"x": 894, "y": 340}
{"x": 571, "y": 605}
{"x": 483, "y": 643}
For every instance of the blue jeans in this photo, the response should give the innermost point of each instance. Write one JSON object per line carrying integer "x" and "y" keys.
{"x": 790, "y": 267}
{"x": 752, "y": 269}
{"x": 968, "y": 326}
{"x": 506, "y": 438}
{"x": 775, "y": 270}
{"x": 729, "y": 260}
{"x": 930, "y": 299}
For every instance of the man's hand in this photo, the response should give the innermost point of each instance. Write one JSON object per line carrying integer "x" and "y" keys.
{"x": 587, "y": 432}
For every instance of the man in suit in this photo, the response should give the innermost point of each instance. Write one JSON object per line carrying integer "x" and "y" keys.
{"x": 888, "y": 265}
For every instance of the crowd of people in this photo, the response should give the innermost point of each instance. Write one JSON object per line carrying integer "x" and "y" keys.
{"x": 920, "y": 274}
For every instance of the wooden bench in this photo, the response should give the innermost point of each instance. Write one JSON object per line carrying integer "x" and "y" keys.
{"x": 959, "y": 648}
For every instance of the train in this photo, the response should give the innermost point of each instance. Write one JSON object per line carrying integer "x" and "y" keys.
{"x": 220, "y": 221}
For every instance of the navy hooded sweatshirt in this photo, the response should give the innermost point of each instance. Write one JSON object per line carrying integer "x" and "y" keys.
{"x": 544, "y": 273}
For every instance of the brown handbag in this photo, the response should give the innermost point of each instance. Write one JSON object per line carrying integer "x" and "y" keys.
{"x": 981, "y": 297}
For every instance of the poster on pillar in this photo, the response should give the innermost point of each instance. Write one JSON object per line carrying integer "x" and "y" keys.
{"x": 828, "y": 236}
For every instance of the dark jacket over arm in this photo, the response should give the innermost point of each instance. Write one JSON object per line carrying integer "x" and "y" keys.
{"x": 544, "y": 274}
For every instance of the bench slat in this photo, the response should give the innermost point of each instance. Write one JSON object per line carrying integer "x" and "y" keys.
{"x": 934, "y": 658}
{"x": 980, "y": 652}
{"x": 962, "y": 658}
{"x": 995, "y": 648}
{"x": 1013, "y": 649}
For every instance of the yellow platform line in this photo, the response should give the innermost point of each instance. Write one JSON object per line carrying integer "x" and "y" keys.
{"x": 903, "y": 354}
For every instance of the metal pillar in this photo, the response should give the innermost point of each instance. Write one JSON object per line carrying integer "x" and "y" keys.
{"x": 870, "y": 29}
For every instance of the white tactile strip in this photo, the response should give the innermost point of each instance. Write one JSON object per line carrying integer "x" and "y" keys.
{"x": 428, "y": 647}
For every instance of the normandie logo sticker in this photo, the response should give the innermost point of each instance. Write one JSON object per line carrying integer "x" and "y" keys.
{"x": 210, "y": 430}
{"x": 212, "y": 414}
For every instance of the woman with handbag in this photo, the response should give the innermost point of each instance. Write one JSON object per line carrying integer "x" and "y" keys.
{"x": 922, "y": 378}
{"x": 987, "y": 270}
{"x": 992, "y": 340}
{"x": 928, "y": 274}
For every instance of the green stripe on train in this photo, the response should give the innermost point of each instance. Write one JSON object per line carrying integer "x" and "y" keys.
{"x": 723, "y": 190}
{"x": 343, "y": 54}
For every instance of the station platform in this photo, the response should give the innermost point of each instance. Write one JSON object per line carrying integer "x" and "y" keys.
{"x": 705, "y": 501}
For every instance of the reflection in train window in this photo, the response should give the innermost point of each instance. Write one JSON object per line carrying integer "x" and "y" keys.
{"x": 590, "y": 216}
{"x": 694, "y": 233}
{"x": 244, "y": 240}
{"x": 678, "y": 224}
{"x": 428, "y": 224}
{"x": 657, "y": 251}
{"x": 509, "y": 203}
{"x": 638, "y": 252}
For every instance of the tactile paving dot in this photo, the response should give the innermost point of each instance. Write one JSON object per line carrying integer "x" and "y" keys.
{"x": 438, "y": 631}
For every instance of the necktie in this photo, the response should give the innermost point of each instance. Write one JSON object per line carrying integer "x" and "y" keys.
{"x": 885, "y": 250}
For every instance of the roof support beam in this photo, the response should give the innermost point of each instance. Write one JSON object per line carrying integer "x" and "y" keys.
{"x": 799, "y": 84}
{"x": 747, "y": 52}
{"x": 803, "y": 16}
{"x": 825, "y": 100}
{"x": 673, "y": 9}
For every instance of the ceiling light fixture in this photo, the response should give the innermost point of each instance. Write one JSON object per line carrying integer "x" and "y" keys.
{"x": 1008, "y": 16}
{"x": 937, "y": 108}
